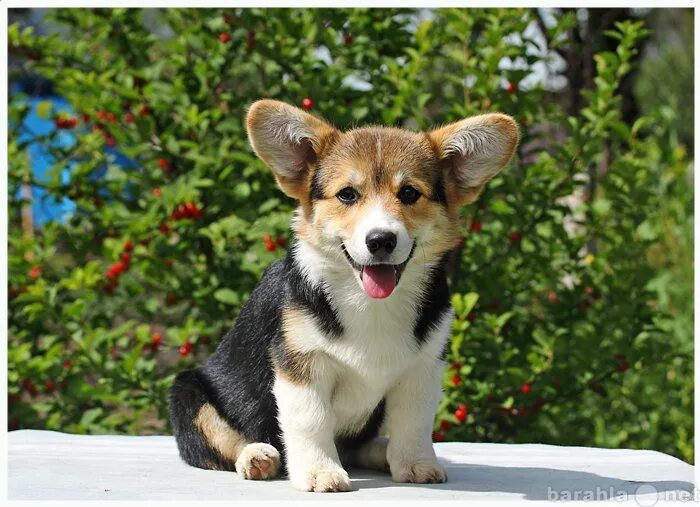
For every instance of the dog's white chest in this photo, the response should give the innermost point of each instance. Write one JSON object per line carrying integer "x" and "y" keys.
{"x": 377, "y": 347}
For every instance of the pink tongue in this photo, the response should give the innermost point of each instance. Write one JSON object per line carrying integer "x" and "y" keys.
{"x": 379, "y": 281}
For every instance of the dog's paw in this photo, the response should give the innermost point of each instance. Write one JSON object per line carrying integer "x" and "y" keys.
{"x": 323, "y": 481}
{"x": 258, "y": 461}
{"x": 419, "y": 472}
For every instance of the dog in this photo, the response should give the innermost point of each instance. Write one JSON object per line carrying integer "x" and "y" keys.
{"x": 343, "y": 341}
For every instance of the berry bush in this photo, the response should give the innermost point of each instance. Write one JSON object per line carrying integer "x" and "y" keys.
{"x": 567, "y": 330}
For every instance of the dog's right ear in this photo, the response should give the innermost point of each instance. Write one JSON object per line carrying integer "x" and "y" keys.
{"x": 288, "y": 140}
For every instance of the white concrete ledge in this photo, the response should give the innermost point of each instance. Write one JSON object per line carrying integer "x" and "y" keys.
{"x": 45, "y": 465}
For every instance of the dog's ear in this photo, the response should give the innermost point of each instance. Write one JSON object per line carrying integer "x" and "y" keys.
{"x": 288, "y": 140}
{"x": 474, "y": 150}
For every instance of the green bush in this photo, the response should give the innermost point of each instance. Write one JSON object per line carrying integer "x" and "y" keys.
{"x": 568, "y": 326}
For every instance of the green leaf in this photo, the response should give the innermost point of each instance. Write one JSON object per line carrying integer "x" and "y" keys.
{"x": 227, "y": 296}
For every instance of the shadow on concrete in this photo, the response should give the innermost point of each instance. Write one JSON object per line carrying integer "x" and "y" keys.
{"x": 532, "y": 483}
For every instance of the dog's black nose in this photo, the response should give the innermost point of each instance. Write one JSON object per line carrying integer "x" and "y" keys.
{"x": 380, "y": 242}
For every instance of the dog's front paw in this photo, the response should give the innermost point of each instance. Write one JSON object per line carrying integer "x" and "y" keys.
{"x": 420, "y": 472}
{"x": 323, "y": 481}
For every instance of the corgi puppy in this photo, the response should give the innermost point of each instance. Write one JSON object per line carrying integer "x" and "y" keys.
{"x": 336, "y": 359}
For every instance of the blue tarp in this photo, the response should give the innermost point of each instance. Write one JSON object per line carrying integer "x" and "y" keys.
{"x": 45, "y": 207}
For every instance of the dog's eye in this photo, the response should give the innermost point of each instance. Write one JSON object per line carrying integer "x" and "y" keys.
{"x": 408, "y": 195}
{"x": 347, "y": 195}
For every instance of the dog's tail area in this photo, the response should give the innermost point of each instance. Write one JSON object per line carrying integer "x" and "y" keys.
{"x": 204, "y": 438}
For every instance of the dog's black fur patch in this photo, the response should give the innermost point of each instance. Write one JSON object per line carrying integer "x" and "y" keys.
{"x": 238, "y": 378}
{"x": 438, "y": 194}
{"x": 316, "y": 187}
{"x": 436, "y": 301}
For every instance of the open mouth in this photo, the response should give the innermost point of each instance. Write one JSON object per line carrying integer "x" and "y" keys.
{"x": 379, "y": 280}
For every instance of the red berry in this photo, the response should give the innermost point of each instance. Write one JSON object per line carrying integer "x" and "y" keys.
{"x": 29, "y": 386}
{"x": 472, "y": 316}
{"x": 588, "y": 290}
{"x": 128, "y": 246}
{"x": 456, "y": 366}
{"x": 224, "y": 38}
{"x": 35, "y": 272}
{"x": 157, "y": 192}
{"x": 281, "y": 241}
{"x": 456, "y": 380}
{"x": 101, "y": 115}
{"x": 110, "y": 141}
{"x": 185, "y": 349}
{"x": 526, "y": 389}
{"x": 66, "y": 123}
{"x": 129, "y": 118}
{"x": 512, "y": 87}
{"x": 191, "y": 210}
{"x": 444, "y": 425}
{"x": 67, "y": 364}
{"x": 156, "y": 339}
{"x": 12, "y": 293}
{"x": 476, "y": 226}
{"x": 307, "y": 103}
{"x": 438, "y": 436}
{"x": 144, "y": 111}
{"x": 460, "y": 415}
{"x": 111, "y": 117}
{"x": 250, "y": 40}
{"x": 50, "y": 386}
{"x": 552, "y": 297}
{"x": 126, "y": 258}
{"x": 178, "y": 213}
{"x": 270, "y": 246}
{"x": 164, "y": 164}
{"x": 164, "y": 228}
{"x": 623, "y": 366}
{"x": 347, "y": 38}
{"x": 86, "y": 117}
{"x": 515, "y": 237}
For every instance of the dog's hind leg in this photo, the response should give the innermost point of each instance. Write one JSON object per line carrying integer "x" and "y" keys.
{"x": 370, "y": 455}
{"x": 206, "y": 440}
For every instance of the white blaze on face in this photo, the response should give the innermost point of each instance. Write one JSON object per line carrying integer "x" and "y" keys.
{"x": 378, "y": 219}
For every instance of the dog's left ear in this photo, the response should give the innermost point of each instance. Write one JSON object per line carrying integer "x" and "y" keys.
{"x": 288, "y": 140}
{"x": 475, "y": 150}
